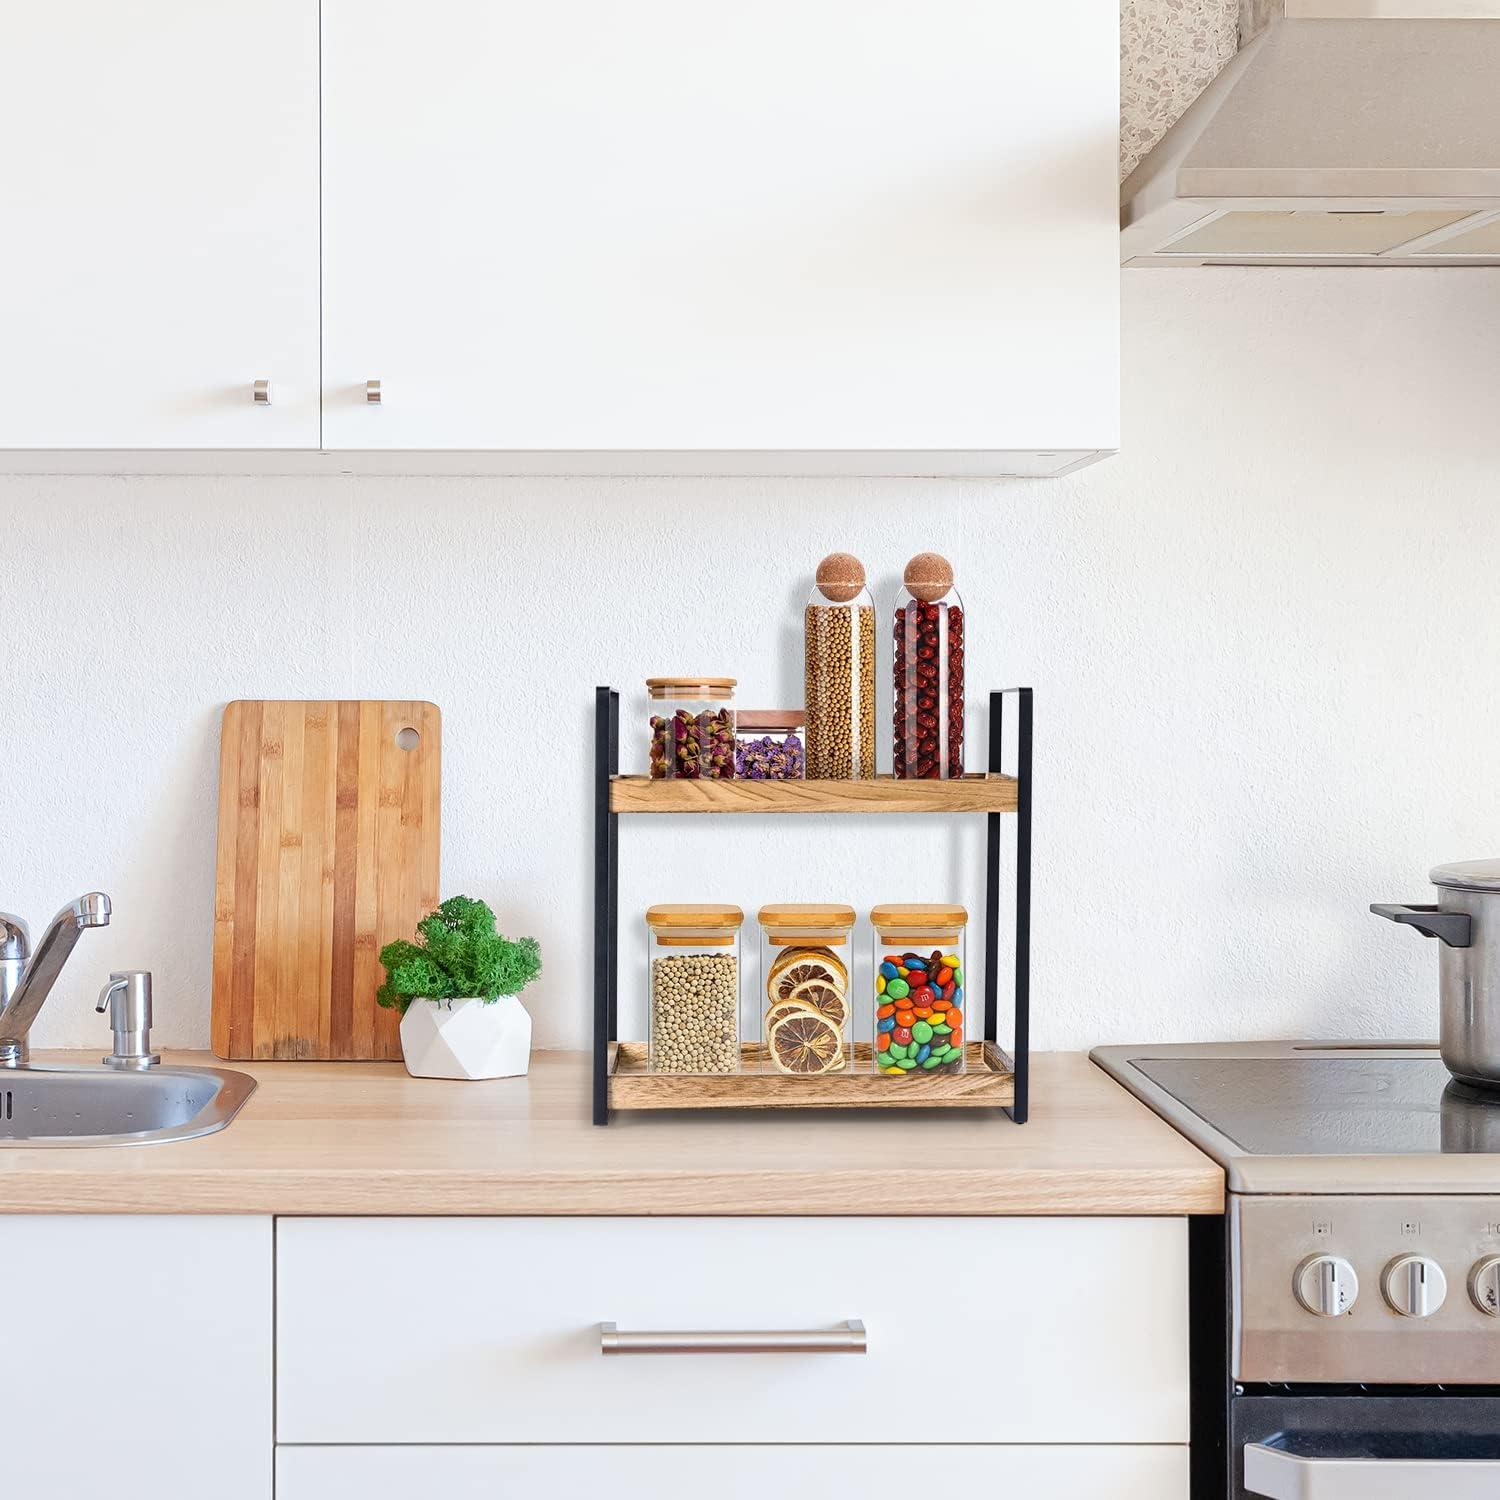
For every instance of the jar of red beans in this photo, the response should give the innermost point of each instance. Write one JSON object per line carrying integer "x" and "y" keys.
{"x": 928, "y": 740}
{"x": 692, "y": 727}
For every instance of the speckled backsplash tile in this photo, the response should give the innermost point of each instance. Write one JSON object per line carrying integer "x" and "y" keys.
{"x": 1169, "y": 50}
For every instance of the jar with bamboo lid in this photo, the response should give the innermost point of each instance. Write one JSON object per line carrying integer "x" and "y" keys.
{"x": 928, "y": 660}
{"x": 918, "y": 963}
{"x": 693, "y": 981}
{"x": 807, "y": 971}
{"x": 692, "y": 727}
{"x": 839, "y": 672}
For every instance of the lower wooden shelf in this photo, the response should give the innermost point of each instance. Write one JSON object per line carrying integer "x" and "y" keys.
{"x": 988, "y": 1081}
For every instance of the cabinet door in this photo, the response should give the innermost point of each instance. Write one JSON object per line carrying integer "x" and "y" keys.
{"x": 802, "y": 226}
{"x": 137, "y": 1357}
{"x": 874, "y": 1472}
{"x": 159, "y": 253}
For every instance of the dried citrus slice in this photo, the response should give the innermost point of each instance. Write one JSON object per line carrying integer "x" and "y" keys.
{"x": 808, "y": 968}
{"x": 824, "y": 998}
{"x": 797, "y": 955}
{"x": 805, "y": 1045}
{"x": 780, "y": 1008}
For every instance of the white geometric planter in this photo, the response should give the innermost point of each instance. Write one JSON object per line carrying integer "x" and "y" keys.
{"x": 466, "y": 1038}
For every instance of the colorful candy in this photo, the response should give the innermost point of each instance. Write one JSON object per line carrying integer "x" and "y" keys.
{"x": 919, "y": 1015}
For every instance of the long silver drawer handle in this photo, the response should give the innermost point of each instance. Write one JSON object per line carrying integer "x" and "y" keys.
{"x": 846, "y": 1338}
{"x": 1279, "y": 1475}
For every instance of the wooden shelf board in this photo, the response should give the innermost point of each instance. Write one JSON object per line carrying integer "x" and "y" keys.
{"x": 986, "y": 1082}
{"x": 982, "y": 793}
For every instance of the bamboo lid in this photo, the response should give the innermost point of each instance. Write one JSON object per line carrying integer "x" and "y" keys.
{"x": 936, "y": 918}
{"x": 806, "y": 916}
{"x": 688, "y": 914}
{"x": 770, "y": 718}
{"x": 690, "y": 687}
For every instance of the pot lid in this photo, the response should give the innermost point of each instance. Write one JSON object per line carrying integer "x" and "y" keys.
{"x": 1468, "y": 875}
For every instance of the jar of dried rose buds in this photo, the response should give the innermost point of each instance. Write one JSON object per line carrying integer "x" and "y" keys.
{"x": 770, "y": 744}
{"x": 839, "y": 661}
{"x": 692, "y": 727}
{"x": 928, "y": 739}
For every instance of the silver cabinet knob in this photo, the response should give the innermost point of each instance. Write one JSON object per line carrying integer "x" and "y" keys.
{"x": 372, "y": 392}
{"x": 1326, "y": 1285}
{"x": 1484, "y": 1286}
{"x": 262, "y": 392}
{"x": 1414, "y": 1286}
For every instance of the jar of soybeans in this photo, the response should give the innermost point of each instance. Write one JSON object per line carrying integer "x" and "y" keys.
{"x": 928, "y": 705}
{"x": 692, "y": 727}
{"x": 919, "y": 989}
{"x": 694, "y": 981}
{"x": 839, "y": 657}
{"x": 807, "y": 968}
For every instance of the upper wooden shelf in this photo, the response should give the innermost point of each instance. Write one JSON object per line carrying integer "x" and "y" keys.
{"x": 968, "y": 794}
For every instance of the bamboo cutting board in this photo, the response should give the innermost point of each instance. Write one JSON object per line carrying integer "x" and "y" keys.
{"x": 328, "y": 849}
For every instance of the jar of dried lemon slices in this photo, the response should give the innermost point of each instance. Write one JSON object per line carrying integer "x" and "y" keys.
{"x": 806, "y": 966}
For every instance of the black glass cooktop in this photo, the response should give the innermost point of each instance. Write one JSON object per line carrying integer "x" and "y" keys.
{"x": 1332, "y": 1106}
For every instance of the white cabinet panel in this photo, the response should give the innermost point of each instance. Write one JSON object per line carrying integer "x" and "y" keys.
{"x": 1018, "y": 1330}
{"x": 159, "y": 251}
{"x": 865, "y": 226}
{"x": 137, "y": 1357}
{"x": 732, "y": 1473}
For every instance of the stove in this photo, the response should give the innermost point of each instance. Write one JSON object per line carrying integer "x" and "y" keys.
{"x": 1346, "y": 1310}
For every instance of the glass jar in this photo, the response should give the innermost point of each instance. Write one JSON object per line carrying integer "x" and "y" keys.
{"x": 928, "y": 704}
{"x": 770, "y": 744}
{"x": 692, "y": 727}
{"x": 839, "y": 662}
{"x": 918, "y": 958}
{"x": 694, "y": 985}
{"x": 806, "y": 969}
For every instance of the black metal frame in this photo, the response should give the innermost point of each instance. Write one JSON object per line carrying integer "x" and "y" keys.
{"x": 607, "y": 896}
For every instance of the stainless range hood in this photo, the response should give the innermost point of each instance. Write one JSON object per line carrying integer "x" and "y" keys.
{"x": 1351, "y": 133}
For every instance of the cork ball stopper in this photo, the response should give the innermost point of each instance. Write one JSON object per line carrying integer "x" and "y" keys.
{"x": 928, "y": 577}
{"x": 841, "y": 576}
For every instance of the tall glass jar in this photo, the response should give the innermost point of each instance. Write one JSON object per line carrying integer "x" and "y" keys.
{"x": 807, "y": 970}
{"x": 919, "y": 971}
{"x": 692, "y": 727}
{"x": 839, "y": 658}
{"x": 694, "y": 985}
{"x": 928, "y": 704}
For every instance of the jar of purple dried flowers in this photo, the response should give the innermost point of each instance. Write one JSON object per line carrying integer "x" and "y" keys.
{"x": 692, "y": 727}
{"x": 770, "y": 744}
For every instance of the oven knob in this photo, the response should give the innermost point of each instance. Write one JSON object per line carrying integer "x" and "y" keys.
{"x": 1414, "y": 1286}
{"x": 1484, "y": 1286}
{"x": 1326, "y": 1285}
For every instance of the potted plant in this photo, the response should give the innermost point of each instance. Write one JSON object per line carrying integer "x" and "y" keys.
{"x": 457, "y": 989}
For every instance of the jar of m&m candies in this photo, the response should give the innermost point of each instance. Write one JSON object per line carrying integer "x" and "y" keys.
{"x": 806, "y": 967}
{"x": 919, "y": 989}
{"x": 694, "y": 984}
{"x": 928, "y": 740}
{"x": 692, "y": 727}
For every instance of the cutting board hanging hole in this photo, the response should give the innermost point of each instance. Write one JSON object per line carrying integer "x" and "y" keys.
{"x": 408, "y": 738}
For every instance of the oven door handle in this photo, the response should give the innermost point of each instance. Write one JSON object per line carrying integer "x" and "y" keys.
{"x": 1279, "y": 1475}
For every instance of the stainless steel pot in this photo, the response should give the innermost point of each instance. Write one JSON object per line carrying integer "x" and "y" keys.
{"x": 1466, "y": 923}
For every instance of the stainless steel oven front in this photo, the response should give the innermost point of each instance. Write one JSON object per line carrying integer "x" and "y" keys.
{"x": 1361, "y": 1349}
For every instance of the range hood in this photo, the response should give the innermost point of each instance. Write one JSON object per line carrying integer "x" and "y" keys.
{"x": 1350, "y": 133}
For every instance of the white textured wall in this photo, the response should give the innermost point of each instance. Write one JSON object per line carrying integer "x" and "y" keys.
{"x": 1265, "y": 642}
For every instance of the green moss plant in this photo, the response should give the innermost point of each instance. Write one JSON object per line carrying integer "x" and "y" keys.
{"x": 459, "y": 954}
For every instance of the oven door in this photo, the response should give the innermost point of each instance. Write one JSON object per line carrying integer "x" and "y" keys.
{"x": 1434, "y": 1445}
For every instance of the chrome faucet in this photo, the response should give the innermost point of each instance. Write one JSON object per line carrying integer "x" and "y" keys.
{"x": 39, "y": 973}
{"x": 15, "y": 949}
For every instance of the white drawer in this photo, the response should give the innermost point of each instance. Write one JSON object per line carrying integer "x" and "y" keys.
{"x": 731, "y": 1473}
{"x": 488, "y": 1330}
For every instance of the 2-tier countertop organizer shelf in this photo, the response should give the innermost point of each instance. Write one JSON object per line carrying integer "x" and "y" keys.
{"x": 992, "y": 1077}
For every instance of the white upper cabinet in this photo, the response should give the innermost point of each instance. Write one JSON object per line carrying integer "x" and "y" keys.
{"x": 158, "y": 224}
{"x": 797, "y": 236}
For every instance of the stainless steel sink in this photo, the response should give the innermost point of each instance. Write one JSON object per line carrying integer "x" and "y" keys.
{"x": 42, "y": 1105}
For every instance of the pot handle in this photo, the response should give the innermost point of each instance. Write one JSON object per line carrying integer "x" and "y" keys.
{"x": 1455, "y": 928}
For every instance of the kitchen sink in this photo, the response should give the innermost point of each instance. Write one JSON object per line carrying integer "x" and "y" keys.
{"x": 42, "y": 1105}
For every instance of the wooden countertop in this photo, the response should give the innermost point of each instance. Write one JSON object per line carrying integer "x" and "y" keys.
{"x": 363, "y": 1138}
